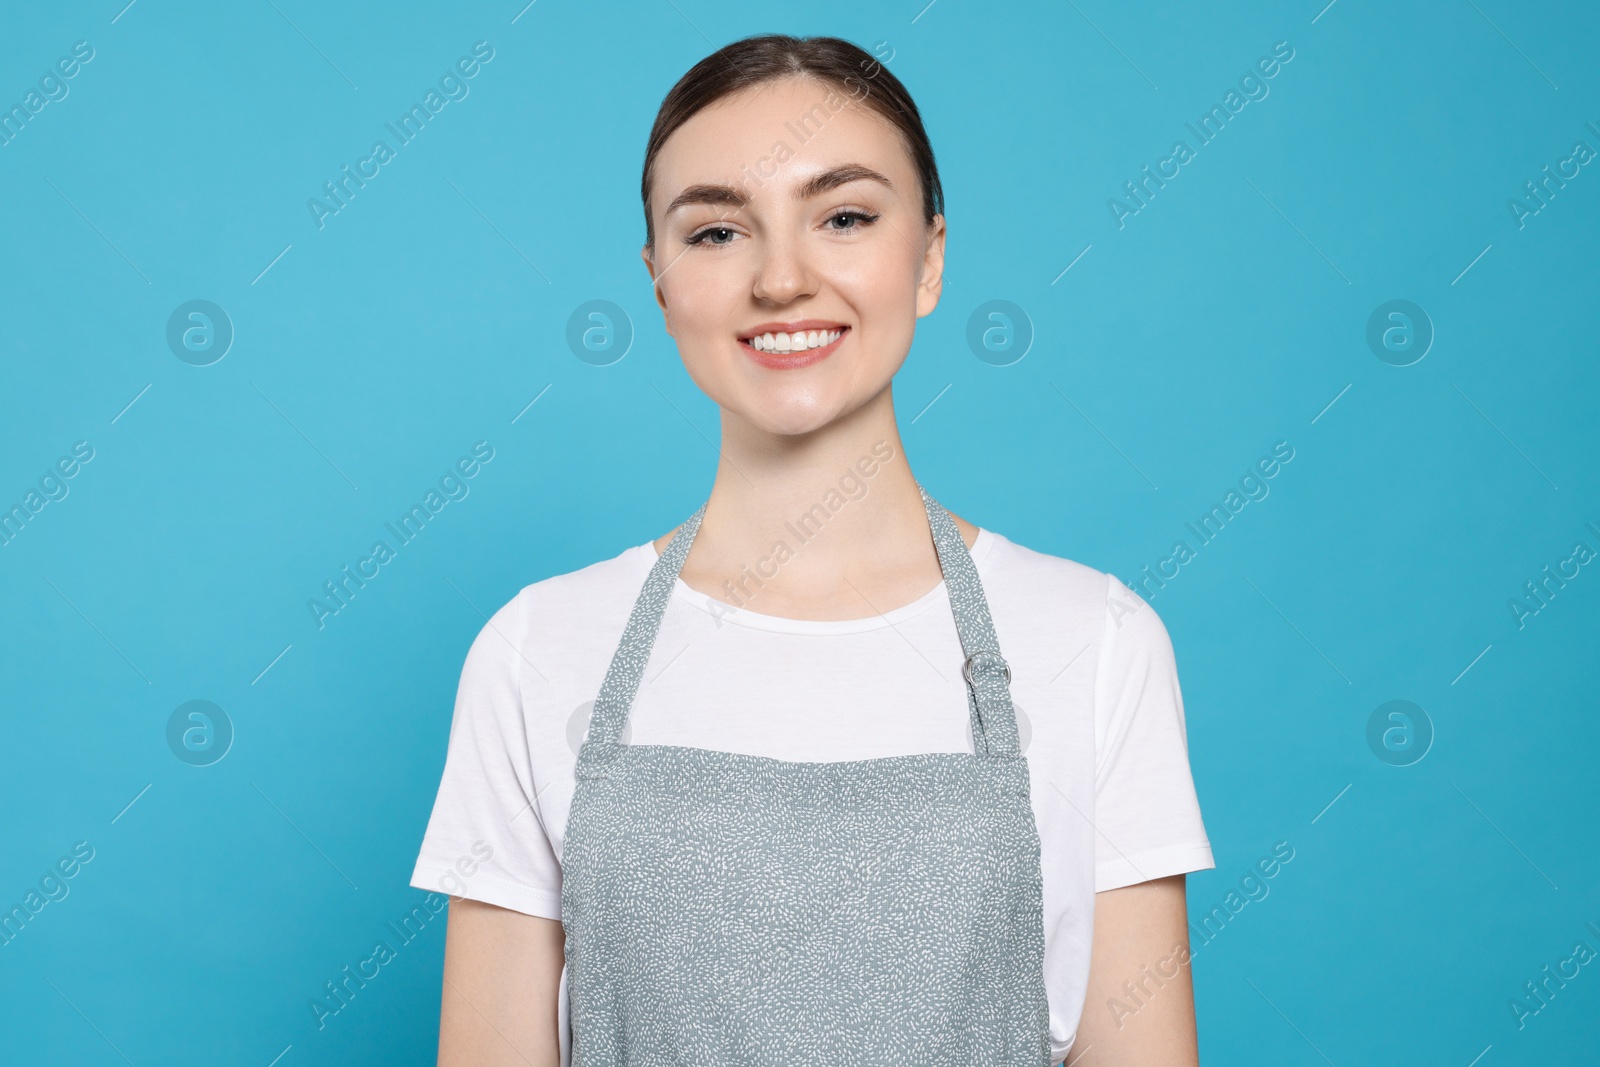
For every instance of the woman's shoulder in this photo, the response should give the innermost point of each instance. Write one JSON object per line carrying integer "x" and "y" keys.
{"x": 569, "y": 608}
{"x": 590, "y": 589}
{"x": 1064, "y": 587}
{"x": 1013, "y": 562}
{"x": 619, "y": 571}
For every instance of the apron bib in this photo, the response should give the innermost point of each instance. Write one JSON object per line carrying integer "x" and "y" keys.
{"x": 723, "y": 908}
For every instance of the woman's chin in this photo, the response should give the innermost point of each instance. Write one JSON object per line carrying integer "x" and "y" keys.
{"x": 795, "y": 413}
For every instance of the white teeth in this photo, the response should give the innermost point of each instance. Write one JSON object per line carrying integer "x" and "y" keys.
{"x": 799, "y": 341}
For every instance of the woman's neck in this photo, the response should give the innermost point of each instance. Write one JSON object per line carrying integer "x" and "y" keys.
{"x": 828, "y": 525}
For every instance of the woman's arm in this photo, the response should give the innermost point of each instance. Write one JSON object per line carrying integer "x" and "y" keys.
{"x": 502, "y": 975}
{"x": 1140, "y": 1005}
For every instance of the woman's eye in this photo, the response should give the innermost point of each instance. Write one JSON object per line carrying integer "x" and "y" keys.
{"x": 855, "y": 218}
{"x": 723, "y": 234}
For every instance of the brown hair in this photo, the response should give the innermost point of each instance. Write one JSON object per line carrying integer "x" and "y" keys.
{"x": 830, "y": 60}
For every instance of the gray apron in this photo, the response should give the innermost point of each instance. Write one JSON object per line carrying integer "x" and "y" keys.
{"x": 724, "y": 908}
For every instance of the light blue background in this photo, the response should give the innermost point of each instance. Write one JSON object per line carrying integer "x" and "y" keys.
{"x": 1230, "y": 313}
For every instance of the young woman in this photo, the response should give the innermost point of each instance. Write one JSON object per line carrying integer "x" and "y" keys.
{"x": 826, "y": 775}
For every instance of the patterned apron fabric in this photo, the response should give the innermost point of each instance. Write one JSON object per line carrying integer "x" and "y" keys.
{"x": 725, "y": 908}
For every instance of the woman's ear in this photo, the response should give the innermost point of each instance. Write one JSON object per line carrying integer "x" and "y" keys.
{"x": 931, "y": 283}
{"x": 655, "y": 288}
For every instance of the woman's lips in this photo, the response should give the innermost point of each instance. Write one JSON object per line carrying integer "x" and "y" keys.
{"x": 793, "y": 360}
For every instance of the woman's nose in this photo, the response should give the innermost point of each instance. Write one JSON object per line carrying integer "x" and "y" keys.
{"x": 784, "y": 273}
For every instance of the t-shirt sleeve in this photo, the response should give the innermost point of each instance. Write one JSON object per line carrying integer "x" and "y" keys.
{"x": 1147, "y": 816}
{"x": 484, "y": 839}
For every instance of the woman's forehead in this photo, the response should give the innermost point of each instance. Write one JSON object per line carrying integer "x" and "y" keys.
{"x": 778, "y": 135}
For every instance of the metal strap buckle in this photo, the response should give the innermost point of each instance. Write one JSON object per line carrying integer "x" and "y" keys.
{"x": 966, "y": 668}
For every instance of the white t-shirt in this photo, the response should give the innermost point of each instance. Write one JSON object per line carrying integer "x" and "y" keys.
{"x": 1093, "y": 679}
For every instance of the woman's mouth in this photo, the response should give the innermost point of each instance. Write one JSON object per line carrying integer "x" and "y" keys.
{"x": 786, "y": 346}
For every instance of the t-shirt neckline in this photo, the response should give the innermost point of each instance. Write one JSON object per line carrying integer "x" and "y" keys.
{"x": 725, "y": 612}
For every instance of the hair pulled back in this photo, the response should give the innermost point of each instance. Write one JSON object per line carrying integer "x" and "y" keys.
{"x": 831, "y": 60}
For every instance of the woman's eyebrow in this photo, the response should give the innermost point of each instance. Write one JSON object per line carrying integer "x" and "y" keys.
{"x": 836, "y": 176}
{"x": 729, "y": 197}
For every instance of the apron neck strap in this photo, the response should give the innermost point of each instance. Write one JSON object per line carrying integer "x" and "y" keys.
{"x": 993, "y": 717}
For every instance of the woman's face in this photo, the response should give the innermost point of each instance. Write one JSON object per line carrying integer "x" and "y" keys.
{"x": 784, "y": 209}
